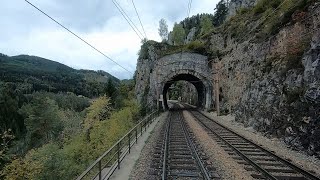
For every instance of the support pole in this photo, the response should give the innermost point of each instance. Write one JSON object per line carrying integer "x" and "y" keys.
{"x": 157, "y": 88}
{"x": 118, "y": 154}
{"x": 216, "y": 91}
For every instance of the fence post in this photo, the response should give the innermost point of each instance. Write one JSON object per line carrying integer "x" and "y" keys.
{"x": 136, "y": 135}
{"x": 100, "y": 170}
{"x": 129, "y": 142}
{"x": 118, "y": 147}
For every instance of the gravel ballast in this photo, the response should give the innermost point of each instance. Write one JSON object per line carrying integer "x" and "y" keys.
{"x": 277, "y": 145}
{"x": 226, "y": 166}
{"x": 140, "y": 170}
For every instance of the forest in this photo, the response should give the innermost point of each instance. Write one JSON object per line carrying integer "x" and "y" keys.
{"x": 31, "y": 73}
{"x": 53, "y": 117}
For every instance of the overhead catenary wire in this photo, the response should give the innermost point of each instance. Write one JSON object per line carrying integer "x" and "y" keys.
{"x": 77, "y": 36}
{"x": 145, "y": 34}
{"x": 189, "y": 7}
{"x": 128, "y": 19}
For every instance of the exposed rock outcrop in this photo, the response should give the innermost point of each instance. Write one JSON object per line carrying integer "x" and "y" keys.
{"x": 272, "y": 88}
{"x": 235, "y": 5}
{"x": 191, "y": 35}
{"x": 271, "y": 84}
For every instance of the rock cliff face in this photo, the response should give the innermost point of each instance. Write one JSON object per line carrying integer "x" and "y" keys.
{"x": 235, "y": 5}
{"x": 272, "y": 86}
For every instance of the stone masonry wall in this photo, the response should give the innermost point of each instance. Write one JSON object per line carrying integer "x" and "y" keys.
{"x": 153, "y": 73}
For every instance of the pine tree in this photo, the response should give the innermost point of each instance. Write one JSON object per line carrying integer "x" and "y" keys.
{"x": 221, "y": 13}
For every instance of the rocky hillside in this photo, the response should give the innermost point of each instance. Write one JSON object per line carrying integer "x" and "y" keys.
{"x": 269, "y": 57}
{"x": 236, "y": 5}
{"x": 272, "y": 81}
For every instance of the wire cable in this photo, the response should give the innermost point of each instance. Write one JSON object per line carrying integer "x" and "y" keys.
{"x": 189, "y": 8}
{"x": 78, "y": 36}
{"x": 139, "y": 20}
{"x": 127, "y": 18}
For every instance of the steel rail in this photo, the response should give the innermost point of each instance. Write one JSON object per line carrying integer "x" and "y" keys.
{"x": 166, "y": 144}
{"x": 255, "y": 165}
{"x": 193, "y": 148}
{"x": 286, "y": 162}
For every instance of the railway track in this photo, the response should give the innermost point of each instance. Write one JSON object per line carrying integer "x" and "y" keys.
{"x": 261, "y": 163}
{"x": 177, "y": 156}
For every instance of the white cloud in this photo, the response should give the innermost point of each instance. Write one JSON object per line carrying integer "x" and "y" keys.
{"x": 26, "y": 31}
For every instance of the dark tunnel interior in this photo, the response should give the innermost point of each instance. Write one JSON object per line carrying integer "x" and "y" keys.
{"x": 190, "y": 78}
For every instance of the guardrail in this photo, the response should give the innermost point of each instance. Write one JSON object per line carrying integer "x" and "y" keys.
{"x": 106, "y": 164}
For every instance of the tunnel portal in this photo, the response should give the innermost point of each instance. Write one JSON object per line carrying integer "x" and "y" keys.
{"x": 190, "y": 67}
{"x": 189, "y": 78}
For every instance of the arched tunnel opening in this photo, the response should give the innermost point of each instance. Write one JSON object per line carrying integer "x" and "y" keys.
{"x": 198, "y": 85}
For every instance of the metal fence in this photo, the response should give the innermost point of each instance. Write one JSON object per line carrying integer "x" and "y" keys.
{"x": 106, "y": 164}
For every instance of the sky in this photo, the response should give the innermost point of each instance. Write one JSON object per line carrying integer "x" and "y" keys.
{"x": 24, "y": 30}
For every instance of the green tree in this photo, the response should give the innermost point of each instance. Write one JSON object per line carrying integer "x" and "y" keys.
{"x": 206, "y": 24}
{"x": 110, "y": 89}
{"x": 5, "y": 141}
{"x": 175, "y": 90}
{"x": 10, "y": 101}
{"x": 143, "y": 52}
{"x": 221, "y": 13}
{"x": 99, "y": 110}
{"x": 53, "y": 160}
{"x": 163, "y": 29}
{"x": 42, "y": 121}
{"x": 178, "y": 34}
{"x": 144, "y": 40}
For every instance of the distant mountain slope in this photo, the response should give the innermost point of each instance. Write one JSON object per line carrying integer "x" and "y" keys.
{"x": 33, "y": 73}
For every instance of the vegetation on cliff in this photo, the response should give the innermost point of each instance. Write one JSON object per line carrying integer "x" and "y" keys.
{"x": 263, "y": 20}
{"x": 256, "y": 23}
{"x": 269, "y": 59}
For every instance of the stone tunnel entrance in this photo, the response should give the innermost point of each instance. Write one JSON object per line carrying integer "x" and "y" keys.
{"x": 196, "y": 82}
{"x": 155, "y": 76}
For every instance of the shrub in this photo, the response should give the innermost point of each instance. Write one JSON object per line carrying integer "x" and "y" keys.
{"x": 264, "y": 5}
{"x": 270, "y": 21}
{"x": 197, "y": 46}
{"x": 66, "y": 161}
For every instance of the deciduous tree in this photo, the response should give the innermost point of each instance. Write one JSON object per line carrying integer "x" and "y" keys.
{"x": 42, "y": 121}
{"x": 206, "y": 24}
{"x": 163, "y": 29}
{"x": 178, "y": 34}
